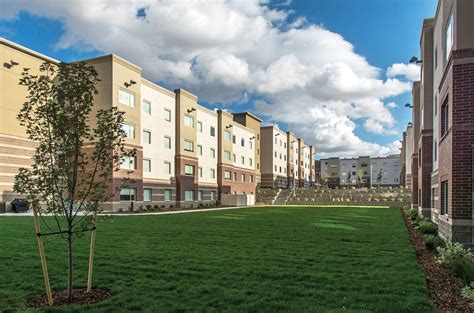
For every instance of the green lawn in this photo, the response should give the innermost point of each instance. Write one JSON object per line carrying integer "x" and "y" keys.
{"x": 269, "y": 259}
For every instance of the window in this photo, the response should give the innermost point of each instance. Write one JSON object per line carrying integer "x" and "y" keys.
{"x": 146, "y": 165}
{"x": 188, "y": 145}
{"x": 213, "y": 153}
{"x": 199, "y": 126}
{"x": 243, "y": 178}
{"x": 250, "y": 144}
{"x": 188, "y": 170}
{"x": 213, "y": 131}
{"x": 213, "y": 173}
{"x": 146, "y": 136}
{"x": 127, "y": 194}
{"x": 227, "y": 175}
{"x": 128, "y": 163}
{"x": 188, "y": 195}
{"x": 188, "y": 121}
{"x": 235, "y": 176}
{"x": 199, "y": 150}
{"x": 242, "y": 142}
{"x": 126, "y": 98}
{"x": 435, "y": 150}
{"x": 444, "y": 197}
{"x": 233, "y": 138}
{"x": 276, "y": 140}
{"x": 251, "y": 178}
{"x": 226, "y": 135}
{"x": 146, "y": 107}
{"x": 129, "y": 130}
{"x": 275, "y": 167}
{"x": 234, "y": 158}
{"x": 242, "y": 159}
{"x": 167, "y": 167}
{"x": 167, "y": 142}
{"x": 200, "y": 194}
{"x": 168, "y": 115}
{"x": 167, "y": 194}
{"x": 213, "y": 195}
{"x": 250, "y": 162}
{"x": 226, "y": 156}
{"x": 445, "y": 117}
{"x": 200, "y": 171}
{"x": 449, "y": 36}
{"x": 147, "y": 194}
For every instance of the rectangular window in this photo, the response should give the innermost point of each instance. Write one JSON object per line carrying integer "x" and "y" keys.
{"x": 167, "y": 168}
{"x": 213, "y": 173}
{"x": 213, "y": 153}
{"x": 146, "y": 165}
{"x": 226, "y": 156}
{"x": 188, "y": 170}
{"x": 449, "y": 36}
{"x": 188, "y": 121}
{"x": 226, "y": 135}
{"x": 251, "y": 178}
{"x": 199, "y": 126}
{"x": 233, "y": 138}
{"x": 167, "y": 194}
{"x": 146, "y": 194}
{"x": 444, "y": 197}
{"x": 213, "y": 195}
{"x": 168, "y": 115}
{"x": 188, "y": 145}
{"x": 242, "y": 159}
{"x": 200, "y": 195}
{"x": 250, "y": 144}
{"x": 146, "y": 137}
{"x": 445, "y": 117}
{"x": 234, "y": 158}
{"x": 212, "y": 131}
{"x": 126, "y": 98}
{"x": 129, "y": 130}
{"x": 127, "y": 194}
{"x": 235, "y": 176}
{"x": 199, "y": 149}
{"x": 188, "y": 195}
{"x": 128, "y": 163}
{"x": 227, "y": 175}
{"x": 200, "y": 171}
{"x": 250, "y": 162}
{"x": 242, "y": 142}
{"x": 243, "y": 178}
{"x": 167, "y": 142}
{"x": 146, "y": 107}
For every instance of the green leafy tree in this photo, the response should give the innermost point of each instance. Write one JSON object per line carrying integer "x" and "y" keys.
{"x": 379, "y": 178}
{"x": 75, "y": 157}
{"x": 349, "y": 176}
{"x": 360, "y": 177}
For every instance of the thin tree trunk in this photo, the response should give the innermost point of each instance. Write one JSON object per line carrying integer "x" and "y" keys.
{"x": 69, "y": 265}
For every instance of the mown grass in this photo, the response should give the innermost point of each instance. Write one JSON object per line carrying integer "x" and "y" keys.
{"x": 271, "y": 259}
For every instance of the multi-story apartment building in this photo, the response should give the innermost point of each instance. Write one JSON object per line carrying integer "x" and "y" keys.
{"x": 403, "y": 155}
{"x": 305, "y": 164}
{"x": 389, "y": 167}
{"x": 330, "y": 172}
{"x": 292, "y": 160}
{"x": 442, "y": 121}
{"x": 181, "y": 146}
{"x": 274, "y": 151}
{"x": 408, "y": 154}
{"x": 317, "y": 172}
{"x": 348, "y": 171}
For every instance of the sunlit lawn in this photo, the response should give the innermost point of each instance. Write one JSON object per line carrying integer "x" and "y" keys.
{"x": 270, "y": 259}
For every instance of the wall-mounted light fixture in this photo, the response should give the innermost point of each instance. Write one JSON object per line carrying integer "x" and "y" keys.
{"x": 415, "y": 60}
{"x": 408, "y": 105}
{"x": 191, "y": 110}
{"x": 229, "y": 126}
{"x": 252, "y": 138}
{"x": 10, "y": 64}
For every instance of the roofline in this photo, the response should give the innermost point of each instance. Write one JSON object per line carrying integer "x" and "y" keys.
{"x": 23, "y": 49}
{"x": 151, "y": 84}
{"x": 249, "y": 114}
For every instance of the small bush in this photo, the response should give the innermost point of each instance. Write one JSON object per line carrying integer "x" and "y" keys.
{"x": 464, "y": 269}
{"x": 432, "y": 242}
{"x": 413, "y": 215}
{"x": 453, "y": 252}
{"x": 427, "y": 227}
{"x": 468, "y": 293}
{"x": 156, "y": 207}
{"x": 148, "y": 207}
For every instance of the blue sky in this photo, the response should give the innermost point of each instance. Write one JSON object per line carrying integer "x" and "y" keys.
{"x": 223, "y": 74}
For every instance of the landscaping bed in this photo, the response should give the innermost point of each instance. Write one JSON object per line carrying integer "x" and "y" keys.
{"x": 444, "y": 289}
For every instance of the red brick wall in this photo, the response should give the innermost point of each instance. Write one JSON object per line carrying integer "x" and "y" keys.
{"x": 414, "y": 176}
{"x": 424, "y": 171}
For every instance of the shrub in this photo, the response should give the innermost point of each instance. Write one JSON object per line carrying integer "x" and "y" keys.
{"x": 464, "y": 269}
{"x": 452, "y": 253}
{"x": 432, "y": 242}
{"x": 468, "y": 293}
{"x": 413, "y": 215}
{"x": 427, "y": 227}
{"x": 148, "y": 207}
{"x": 156, "y": 207}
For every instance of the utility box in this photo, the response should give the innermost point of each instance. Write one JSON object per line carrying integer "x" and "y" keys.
{"x": 19, "y": 205}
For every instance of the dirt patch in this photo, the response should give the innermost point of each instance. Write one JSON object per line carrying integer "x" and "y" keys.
{"x": 80, "y": 296}
{"x": 444, "y": 289}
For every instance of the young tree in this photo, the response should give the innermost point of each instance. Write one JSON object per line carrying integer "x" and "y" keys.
{"x": 360, "y": 177}
{"x": 379, "y": 178}
{"x": 349, "y": 176}
{"x": 75, "y": 158}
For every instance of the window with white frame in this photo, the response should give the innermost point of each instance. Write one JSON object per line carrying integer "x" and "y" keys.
{"x": 200, "y": 195}
{"x": 188, "y": 170}
{"x": 199, "y": 126}
{"x": 167, "y": 194}
{"x": 128, "y": 163}
{"x": 200, "y": 171}
{"x": 242, "y": 159}
{"x": 242, "y": 142}
{"x": 212, "y": 131}
{"x": 168, "y": 115}
{"x": 227, "y": 135}
{"x": 449, "y": 36}
{"x": 188, "y": 145}
{"x": 250, "y": 162}
{"x": 226, "y": 155}
{"x": 213, "y": 173}
{"x": 167, "y": 167}
{"x": 129, "y": 130}
{"x": 188, "y": 195}
{"x": 227, "y": 175}
{"x": 146, "y": 136}
{"x": 146, "y": 107}
{"x": 188, "y": 121}
{"x": 127, "y": 194}
{"x": 126, "y": 98}
{"x": 146, "y": 194}
{"x": 146, "y": 165}
{"x": 213, "y": 153}
{"x": 199, "y": 149}
{"x": 167, "y": 142}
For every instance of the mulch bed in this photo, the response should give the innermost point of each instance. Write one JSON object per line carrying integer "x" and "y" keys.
{"x": 444, "y": 289}
{"x": 80, "y": 296}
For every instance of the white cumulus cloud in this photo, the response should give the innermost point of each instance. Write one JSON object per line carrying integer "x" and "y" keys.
{"x": 409, "y": 71}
